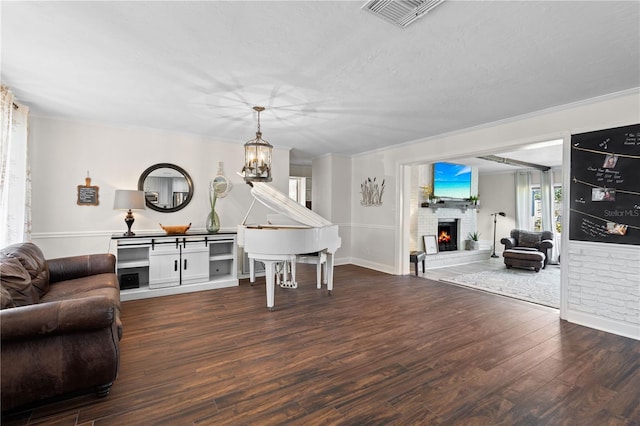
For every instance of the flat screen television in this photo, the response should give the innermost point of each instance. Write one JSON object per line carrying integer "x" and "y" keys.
{"x": 451, "y": 181}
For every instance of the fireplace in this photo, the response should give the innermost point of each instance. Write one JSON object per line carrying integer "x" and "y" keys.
{"x": 447, "y": 234}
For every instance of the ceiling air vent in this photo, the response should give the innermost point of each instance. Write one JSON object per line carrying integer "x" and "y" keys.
{"x": 400, "y": 12}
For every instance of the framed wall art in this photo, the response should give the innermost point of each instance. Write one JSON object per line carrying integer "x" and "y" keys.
{"x": 87, "y": 194}
{"x": 430, "y": 244}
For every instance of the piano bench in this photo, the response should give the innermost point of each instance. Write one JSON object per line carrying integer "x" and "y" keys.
{"x": 320, "y": 260}
{"x": 415, "y": 257}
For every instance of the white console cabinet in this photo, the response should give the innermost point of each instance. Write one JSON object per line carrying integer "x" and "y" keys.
{"x": 151, "y": 265}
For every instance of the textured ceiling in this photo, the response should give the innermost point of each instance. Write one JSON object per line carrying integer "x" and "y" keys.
{"x": 334, "y": 78}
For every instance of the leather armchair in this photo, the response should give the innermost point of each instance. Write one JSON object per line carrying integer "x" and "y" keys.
{"x": 526, "y": 240}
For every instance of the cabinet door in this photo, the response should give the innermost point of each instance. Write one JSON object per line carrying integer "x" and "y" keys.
{"x": 164, "y": 267}
{"x": 195, "y": 264}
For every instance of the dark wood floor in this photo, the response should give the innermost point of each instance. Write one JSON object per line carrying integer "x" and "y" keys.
{"x": 392, "y": 350}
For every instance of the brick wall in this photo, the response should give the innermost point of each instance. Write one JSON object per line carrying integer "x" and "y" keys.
{"x": 603, "y": 288}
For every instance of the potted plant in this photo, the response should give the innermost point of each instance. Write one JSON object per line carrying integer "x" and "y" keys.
{"x": 427, "y": 195}
{"x": 474, "y": 240}
{"x": 474, "y": 199}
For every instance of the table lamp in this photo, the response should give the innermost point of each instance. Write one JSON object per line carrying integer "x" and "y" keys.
{"x": 127, "y": 199}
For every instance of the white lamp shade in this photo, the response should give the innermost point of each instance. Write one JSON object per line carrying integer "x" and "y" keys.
{"x": 126, "y": 199}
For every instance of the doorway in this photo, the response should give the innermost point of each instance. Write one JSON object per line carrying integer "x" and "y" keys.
{"x": 494, "y": 193}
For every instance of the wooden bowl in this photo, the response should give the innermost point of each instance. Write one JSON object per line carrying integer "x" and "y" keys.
{"x": 175, "y": 229}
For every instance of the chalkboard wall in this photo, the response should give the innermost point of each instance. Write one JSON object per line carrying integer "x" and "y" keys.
{"x": 605, "y": 186}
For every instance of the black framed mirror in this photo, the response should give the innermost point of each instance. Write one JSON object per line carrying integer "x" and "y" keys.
{"x": 167, "y": 187}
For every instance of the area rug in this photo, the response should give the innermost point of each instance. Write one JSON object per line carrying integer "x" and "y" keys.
{"x": 542, "y": 288}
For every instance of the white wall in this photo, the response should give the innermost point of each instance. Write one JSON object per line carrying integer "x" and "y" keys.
{"x": 62, "y": 152}
{"x": 497, "y": 194}
{"x": 322, "y": 186}
{"x": 373, "y": 228}
{"x": 331, "y": 198}
{"x": 300, "y": 170}
{"x": 415, "y": 198}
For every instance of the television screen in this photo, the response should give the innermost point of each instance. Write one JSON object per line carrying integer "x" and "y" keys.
{"x": 451, "y": 180}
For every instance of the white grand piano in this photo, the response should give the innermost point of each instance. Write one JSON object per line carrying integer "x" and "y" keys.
{"x": 279, "y": 241}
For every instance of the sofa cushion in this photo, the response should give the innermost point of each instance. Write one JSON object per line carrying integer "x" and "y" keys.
{"x": 529, "y": 239}
{"x": 6, "y": 301}
{"x": 93, "y": 285}
{"x": 32, "y": 258}
{"x": 15, "y": 278}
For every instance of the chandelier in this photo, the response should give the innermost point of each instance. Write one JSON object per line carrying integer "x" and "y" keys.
{"x": 257, "y": 156}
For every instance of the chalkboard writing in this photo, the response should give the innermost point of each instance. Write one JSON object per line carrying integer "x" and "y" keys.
{"x": 87, "y": 195}
{"x": 605, "y": 194}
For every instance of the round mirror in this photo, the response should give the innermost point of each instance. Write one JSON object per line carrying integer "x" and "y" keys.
{"x": 167, "y": 187}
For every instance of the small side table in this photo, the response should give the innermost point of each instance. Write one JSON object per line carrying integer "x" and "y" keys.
{"x": 415, "y": 257}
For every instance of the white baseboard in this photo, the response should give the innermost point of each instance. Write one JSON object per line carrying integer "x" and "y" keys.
{"x": 341, "y": 261}
{"x": 604, "y": 324}
{"x": 373, "y": 265}
{"x": 146, "y": 292}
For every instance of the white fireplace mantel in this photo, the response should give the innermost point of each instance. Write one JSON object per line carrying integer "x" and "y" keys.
{"x": 462, "y": 205}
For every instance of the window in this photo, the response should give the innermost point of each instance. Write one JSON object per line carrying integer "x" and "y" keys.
{"x": 537, "y": 208}
{"x": 298, "y": 189}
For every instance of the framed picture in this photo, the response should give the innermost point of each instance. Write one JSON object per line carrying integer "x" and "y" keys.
{"x": 430, "y": 244}
{"x": 610, "y": 161}
{"x": 87, "y": 195}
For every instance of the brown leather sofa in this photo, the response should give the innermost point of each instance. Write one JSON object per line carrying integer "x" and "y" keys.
{"x": 530, "y": 241}
{"x": 60, "y": 325}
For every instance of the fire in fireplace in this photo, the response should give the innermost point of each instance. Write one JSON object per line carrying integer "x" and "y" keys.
{"x": 444, "y": 237}
{"x": 447, "y": 234}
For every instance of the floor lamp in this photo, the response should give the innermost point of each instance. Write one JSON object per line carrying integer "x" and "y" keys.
{"x": 495, "y": 220}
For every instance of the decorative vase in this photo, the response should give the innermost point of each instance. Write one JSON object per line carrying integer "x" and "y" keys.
{"x": 213, "y": 222}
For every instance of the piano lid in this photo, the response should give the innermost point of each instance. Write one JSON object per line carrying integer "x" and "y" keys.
{"x": 282, "y": 204}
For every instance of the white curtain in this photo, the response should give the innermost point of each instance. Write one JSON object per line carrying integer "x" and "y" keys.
{"x": 523, "y": 200}
{"x": 547, "y": 199}
{"x": 15, "y": 176}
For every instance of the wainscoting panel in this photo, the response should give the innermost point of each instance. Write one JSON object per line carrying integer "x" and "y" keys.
{"x": 62, "y": 244}
{"x": 373, "y": 246}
